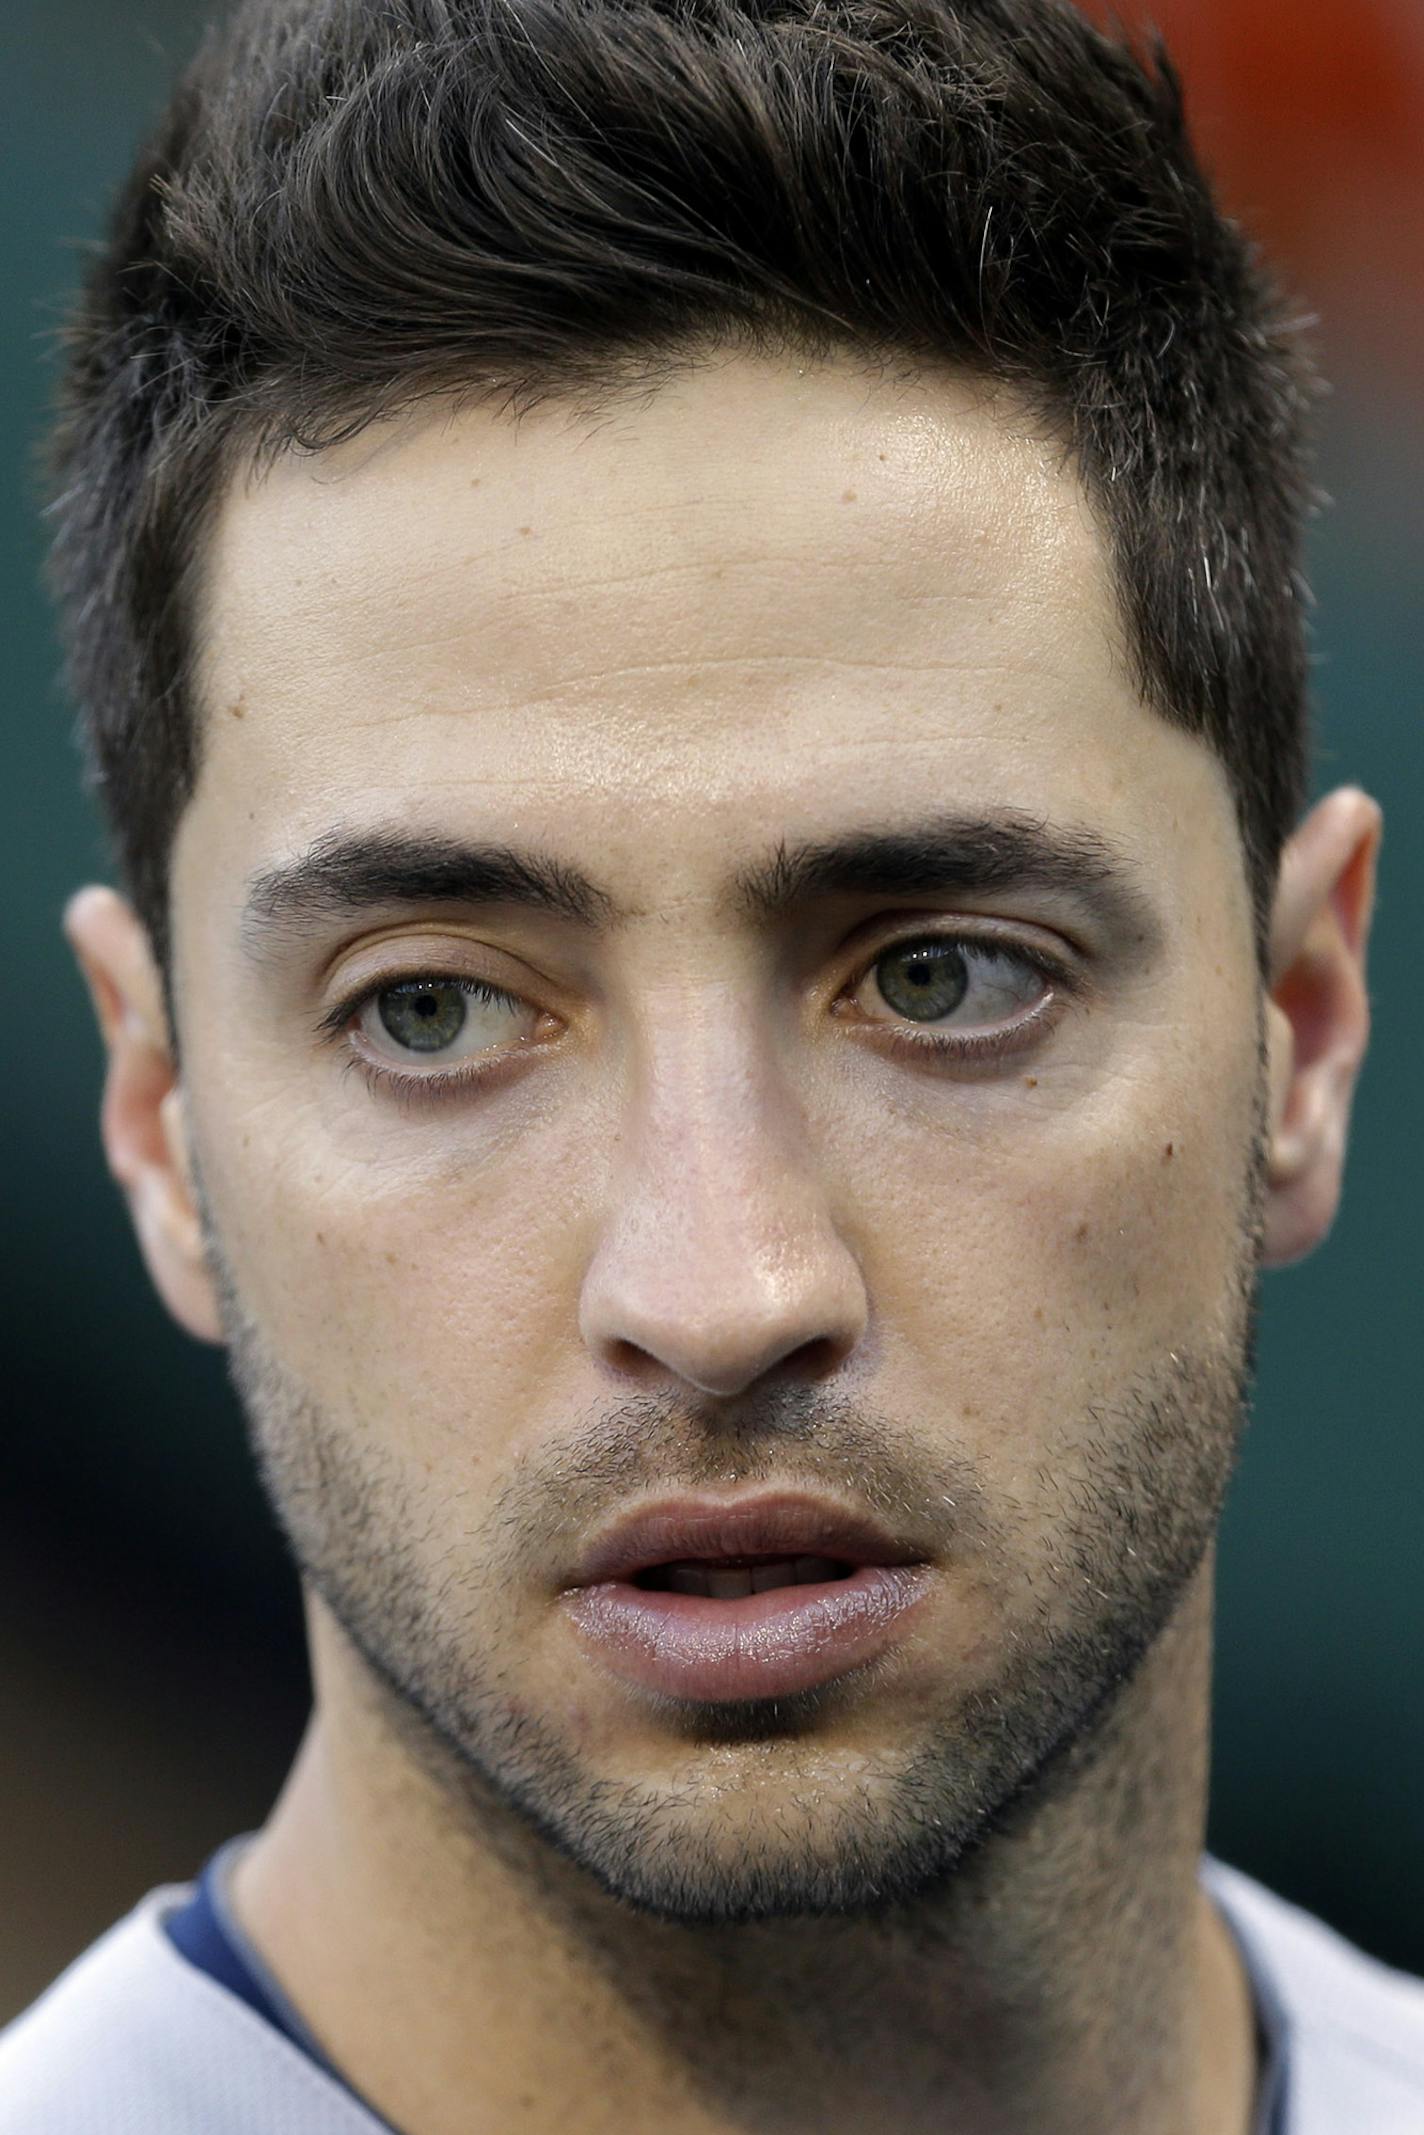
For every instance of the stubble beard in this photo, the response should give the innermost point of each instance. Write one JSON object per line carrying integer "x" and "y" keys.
{"x": 1135, "y": 1524}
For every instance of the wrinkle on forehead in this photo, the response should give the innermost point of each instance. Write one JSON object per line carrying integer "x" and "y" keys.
{"x": 765, "y": 601}
{"x": 748, "y": 511}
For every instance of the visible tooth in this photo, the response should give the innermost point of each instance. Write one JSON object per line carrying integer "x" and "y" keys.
{"x": 728, "y": 1586}
{"x": 810, "y": 1571}
{"x": 684, "y": 1579}
{"x": 766, "y": 1576}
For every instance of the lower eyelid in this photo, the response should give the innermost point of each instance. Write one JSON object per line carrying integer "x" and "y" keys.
{"x": 461, "y": 1067}
{"x": 410, "y": 1090}
{"x": 982, "y": 1049}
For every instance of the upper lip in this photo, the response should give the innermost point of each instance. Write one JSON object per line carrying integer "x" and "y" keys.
{"x": 782, "y": 1525}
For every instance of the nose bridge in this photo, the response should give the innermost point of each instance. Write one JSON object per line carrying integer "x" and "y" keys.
{"x": 709, "y": 1096}
{"x": 718, "y": 1256}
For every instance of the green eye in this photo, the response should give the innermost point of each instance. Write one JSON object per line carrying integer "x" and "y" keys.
{"x": 955, "y": 984}
{"x": 424, "y": 1017}
{"x": 441, "y": 1021}
{"x": 923, "y": 980}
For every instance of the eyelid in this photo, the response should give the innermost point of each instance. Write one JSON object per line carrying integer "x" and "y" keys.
{"x": 339, "y": 1019}
{"x": 947, "y": 1050}
{"x": 410, "y": 1087}
{"x": 1061, "y": 969}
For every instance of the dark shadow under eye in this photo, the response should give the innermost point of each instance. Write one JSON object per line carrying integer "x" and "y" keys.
{"x": 923, "y": 980}
{"x": 425, "y": 1016}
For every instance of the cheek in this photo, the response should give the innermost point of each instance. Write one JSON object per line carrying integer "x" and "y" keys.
{"x": 1136, "y": 1226}
{"x": 420, "y": 1295}
{"x": 1030, "y": 1267}
{"x": 1025, "y": 1252}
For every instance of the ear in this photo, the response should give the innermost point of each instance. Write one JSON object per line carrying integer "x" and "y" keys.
{"x": 1317, "y": 1016}
{"x": 143, "y": 1125}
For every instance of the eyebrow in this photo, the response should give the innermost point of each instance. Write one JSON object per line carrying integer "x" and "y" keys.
{"x": 345, "y": 874}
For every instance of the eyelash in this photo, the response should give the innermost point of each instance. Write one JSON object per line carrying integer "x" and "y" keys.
{"x": 991, "y": 1045}
{"x": 411, "y": 1091}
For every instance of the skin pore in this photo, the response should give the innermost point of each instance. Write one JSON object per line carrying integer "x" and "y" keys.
{"x": 575, "y": 710}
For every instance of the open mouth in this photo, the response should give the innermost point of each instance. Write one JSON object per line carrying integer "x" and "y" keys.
{"x": 733, "y": 1578}
{"x": 727, "y": 1548}
{"x": 750, "y": 1597}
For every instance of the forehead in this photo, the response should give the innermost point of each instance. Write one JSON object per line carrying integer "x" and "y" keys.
{"x": 754, "y": 596}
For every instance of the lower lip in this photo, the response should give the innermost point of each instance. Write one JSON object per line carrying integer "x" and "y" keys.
{"x": 758, "y": 1646}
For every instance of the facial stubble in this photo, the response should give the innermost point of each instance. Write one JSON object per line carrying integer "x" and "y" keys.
{"x": 1130, "y": 1532}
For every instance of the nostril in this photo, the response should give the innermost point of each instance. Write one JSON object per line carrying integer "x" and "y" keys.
{"x": 817, "y": 1359}
{"x": 743, "y": 1321}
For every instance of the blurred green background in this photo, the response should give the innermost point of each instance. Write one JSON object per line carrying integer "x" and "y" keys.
{"x": 152, "y": 1682}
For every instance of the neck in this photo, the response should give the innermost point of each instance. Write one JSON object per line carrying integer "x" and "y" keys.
{"x": 1072, "y": 1977}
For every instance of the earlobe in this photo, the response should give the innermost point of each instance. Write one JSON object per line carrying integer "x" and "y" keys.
{"x": 142, "y": 1123}
{"x": 1317, "y": 1016}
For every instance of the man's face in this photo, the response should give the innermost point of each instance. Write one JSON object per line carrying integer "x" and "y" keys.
{"x": 922, "y": 1185}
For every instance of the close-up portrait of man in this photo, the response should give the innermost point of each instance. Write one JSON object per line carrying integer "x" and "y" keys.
{"x": 690, "y": 619}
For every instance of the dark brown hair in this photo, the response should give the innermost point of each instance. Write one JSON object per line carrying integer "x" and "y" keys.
{"x": 354, "y": 203}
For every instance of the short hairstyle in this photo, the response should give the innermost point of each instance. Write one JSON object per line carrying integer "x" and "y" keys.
{"x": 354, "y": 204}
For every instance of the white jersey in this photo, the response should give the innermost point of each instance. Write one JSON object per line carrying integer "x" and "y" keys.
{"x": 136, "y": 2040}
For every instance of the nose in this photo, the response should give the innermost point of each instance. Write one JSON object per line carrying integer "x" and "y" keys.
{"x": 718, "y": 1260}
